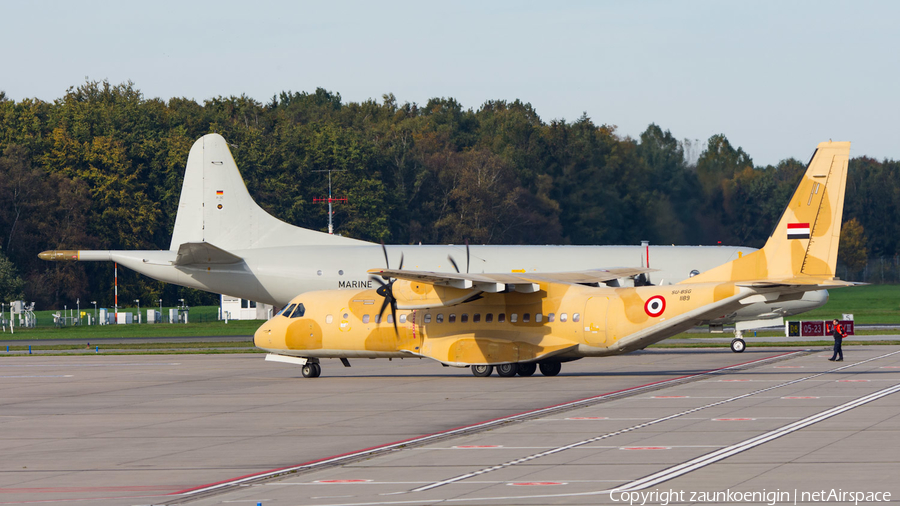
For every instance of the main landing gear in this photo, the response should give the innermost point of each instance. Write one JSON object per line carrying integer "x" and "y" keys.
{"x": 737, "y": 344}
{"x": 510, "y": 370}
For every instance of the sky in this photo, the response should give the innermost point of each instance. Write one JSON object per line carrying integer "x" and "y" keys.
{"x": 775, "y": 77}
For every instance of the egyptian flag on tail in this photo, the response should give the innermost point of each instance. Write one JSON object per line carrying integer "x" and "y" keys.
{"x": 798, "y": 231}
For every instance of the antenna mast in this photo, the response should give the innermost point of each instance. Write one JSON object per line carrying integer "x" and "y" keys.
{"x": 330, "y": 199}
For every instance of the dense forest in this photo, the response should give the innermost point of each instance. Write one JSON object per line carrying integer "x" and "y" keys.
{"x": 101, "y": 168}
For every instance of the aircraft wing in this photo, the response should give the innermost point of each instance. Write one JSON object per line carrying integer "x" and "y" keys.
{"x": 203, "y": 253}
{"x": 571, "y": 277}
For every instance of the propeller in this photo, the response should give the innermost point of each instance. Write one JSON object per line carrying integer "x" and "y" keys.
{"x": 452, "y": 261}
{"x": 386, "y": 290}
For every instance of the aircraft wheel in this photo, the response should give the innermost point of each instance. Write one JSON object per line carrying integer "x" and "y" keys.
{"x": 482, "y": 371}
{"x": 526, "y": 369}
{"x": 507, "y": 370}
{"x": 318, "y": 370}
{"x": 738, "y": 345}
{"x": 309, "y": 370}
{"x": 550, "y": 368}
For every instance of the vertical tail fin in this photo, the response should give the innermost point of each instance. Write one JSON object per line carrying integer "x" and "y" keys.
{"x": 805, "y": 241}
{"x": 215, "y": 207}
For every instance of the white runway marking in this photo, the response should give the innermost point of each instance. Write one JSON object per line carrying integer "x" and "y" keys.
{"x": 724, "y": 453}
{"x": 469, "y": 428}
{"x": 634, "y": 427}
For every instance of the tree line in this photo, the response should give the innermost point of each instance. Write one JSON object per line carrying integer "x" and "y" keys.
{"x": 101, "y": 168}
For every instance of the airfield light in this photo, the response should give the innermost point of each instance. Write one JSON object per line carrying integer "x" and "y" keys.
{"x": 160, "y": 310}
{"x": 138, "y": 302}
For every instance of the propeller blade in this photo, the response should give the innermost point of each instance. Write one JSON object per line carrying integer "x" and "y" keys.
{"x": 467, "y": 257}
{"x": 387, "y": 262}
{"x": 383, "y": 306}
{"x": 401, "y": 262}
{"x": 377, "y": 280}
{"x": 394, "y": 315}
{"x": 452, "y": 261}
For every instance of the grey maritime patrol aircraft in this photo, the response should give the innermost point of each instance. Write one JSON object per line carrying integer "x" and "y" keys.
{"x": 224, "y": 242}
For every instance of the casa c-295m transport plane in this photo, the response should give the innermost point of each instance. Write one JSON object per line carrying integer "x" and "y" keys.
{"x": 223, "y": 242}
{"x": 517, "y": 322}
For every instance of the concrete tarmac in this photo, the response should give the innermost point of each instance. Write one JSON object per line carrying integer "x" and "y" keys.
{"x": 205, "y": 429}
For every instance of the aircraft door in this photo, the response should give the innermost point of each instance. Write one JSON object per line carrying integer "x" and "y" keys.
{"x": 595, "y": 320}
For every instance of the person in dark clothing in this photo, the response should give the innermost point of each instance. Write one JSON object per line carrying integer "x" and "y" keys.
{"x": 839, "y": 334}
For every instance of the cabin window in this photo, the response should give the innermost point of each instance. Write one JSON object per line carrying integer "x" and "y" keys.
{"x": 538, "y": 317}
{"x": 403, "y": 318}
{"x": 287, "y": 311}
{"x": 427, "y": 317}
{"x": 439, "y": 318}
{"x": 488, "y": 318}
{"x": 340, "y": 273}
{"x": 501, "y": 317}
{"x": 576, "y": 317}
{"x": 390, "y": 318}
{"x": 365, "y": 318}
{"x": 513, "y": 317}
{"x": 329, "y": 318}
{"x": 463, "y": 318}
{"x": 345, "y": 316}
{"x": 451, "y": 318}
{"x": 563, "y": 317}
{"x": 319, "y": 272}
{"x": 299, "y": 311}
{"x": 378, "y": 318}
{"x": 476, "y": 317}
{"x": 551, "y": 317}
{"x": 526, "y": 317}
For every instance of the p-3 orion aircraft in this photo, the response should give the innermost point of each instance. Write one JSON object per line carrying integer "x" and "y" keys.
{"x": 224, "y": 242}
{"x": 517, "y": 322}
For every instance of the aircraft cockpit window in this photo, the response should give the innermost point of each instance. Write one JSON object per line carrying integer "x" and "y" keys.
{"x": 551, "y": 317}
{"x": 287, "y": 311}
{"x": 451, "y": 318}
{"x": 513, "y": 318}
{"x": 427, "y": 317}
{"x": 365, "y": 318}
{"x": 501, "y": 317}
{"x": 563, "y": 317}
{"x": 476, "y": 317}
{"x": 403, "y": 318}
{"x": 538, "y": 317}
{"x": 439, "y": 318}
{"x": 329, "y": 318}
{"x": 694, "y": 272}
{"x": 464, "y": 318}
{"x": 488, "y": 318}
{"x": 299, "y": 311}
{"x": 576, "y": 317}
{"x": 526, "y": 317}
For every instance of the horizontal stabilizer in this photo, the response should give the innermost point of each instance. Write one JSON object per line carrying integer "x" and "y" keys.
{"x": 204, "y": 253}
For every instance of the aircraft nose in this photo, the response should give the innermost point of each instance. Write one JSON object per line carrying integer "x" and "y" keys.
{"x": 262, "y": 338}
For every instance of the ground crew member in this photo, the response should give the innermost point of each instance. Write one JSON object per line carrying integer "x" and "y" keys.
{"x": 839, "y": 335}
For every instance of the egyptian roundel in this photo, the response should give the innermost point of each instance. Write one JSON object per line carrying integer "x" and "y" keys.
{"x": 655, "y": 305}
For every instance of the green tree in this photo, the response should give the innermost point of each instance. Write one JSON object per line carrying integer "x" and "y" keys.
{"x": 852, "y": 251}
{"x": 11, "y": 285}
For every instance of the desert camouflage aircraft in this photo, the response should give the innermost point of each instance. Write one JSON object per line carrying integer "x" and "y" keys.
{"x": 224, "y": 242}
{"x": 517, "y": 322}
